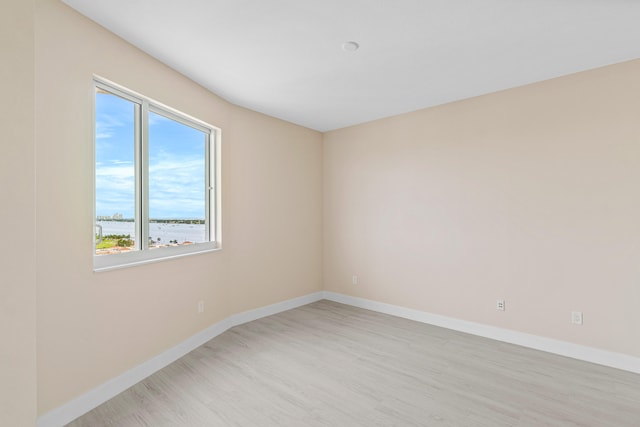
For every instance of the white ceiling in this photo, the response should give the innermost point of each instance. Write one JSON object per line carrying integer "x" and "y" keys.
{"x": 284, "y": 57}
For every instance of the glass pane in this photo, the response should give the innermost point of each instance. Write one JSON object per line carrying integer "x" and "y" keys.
{"x": 115, "y": 173}
{"x": 177, "y": 197}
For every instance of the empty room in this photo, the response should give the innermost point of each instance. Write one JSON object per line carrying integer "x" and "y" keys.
{"x": 320, "y": 213}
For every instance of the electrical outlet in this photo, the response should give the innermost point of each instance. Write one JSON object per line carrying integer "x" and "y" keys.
{"x": 576, "y": 317}
{"x": 354, "y": 280}
{"x": 500, "y": 305}
{"x": 200, "y": 307}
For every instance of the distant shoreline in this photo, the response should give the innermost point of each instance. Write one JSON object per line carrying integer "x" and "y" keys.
{"x": 169, "y": 231}
{"x": 157, "y": 221}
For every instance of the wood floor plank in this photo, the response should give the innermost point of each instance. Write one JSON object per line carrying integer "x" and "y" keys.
{"x": 328, "y": 364}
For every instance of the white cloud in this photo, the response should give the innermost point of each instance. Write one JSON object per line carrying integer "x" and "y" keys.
{"x": 176, "y": 188}
{"x": 115, "y": 189}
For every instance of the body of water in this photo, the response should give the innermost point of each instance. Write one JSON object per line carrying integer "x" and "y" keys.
{"x": 160, "y": 232}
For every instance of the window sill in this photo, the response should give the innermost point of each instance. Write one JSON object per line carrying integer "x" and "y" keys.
{"x": 102, "y": 263}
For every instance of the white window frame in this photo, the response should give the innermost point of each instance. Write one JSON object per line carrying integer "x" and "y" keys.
{"x": 143, "y": 254}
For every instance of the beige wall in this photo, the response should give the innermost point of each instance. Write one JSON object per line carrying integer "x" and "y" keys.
{"x": 94, "y": 326}
{"x": 17, "y": 209}
{"x": 275, "y": 204}
{"x": 530, "y": 195}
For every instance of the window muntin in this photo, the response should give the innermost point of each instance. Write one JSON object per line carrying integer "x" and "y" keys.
{"x": 155, "y": 175}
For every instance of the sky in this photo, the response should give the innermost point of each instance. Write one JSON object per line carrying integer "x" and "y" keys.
{"x": 176, "y": 163}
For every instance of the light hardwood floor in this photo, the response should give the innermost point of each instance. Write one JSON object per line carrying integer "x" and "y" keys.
{"x": 327, "y": 364}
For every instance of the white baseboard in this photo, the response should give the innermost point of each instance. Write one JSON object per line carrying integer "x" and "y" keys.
{"x": 90, "y": 400}
{"x": 562, "y": 348}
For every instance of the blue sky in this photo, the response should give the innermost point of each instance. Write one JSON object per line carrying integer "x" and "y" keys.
{"x": 176, "y": 163}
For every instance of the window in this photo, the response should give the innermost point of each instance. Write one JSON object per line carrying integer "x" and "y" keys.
{"x": 156, "y": 176}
